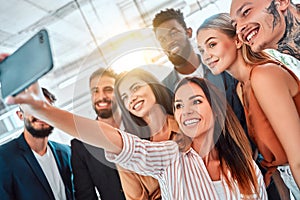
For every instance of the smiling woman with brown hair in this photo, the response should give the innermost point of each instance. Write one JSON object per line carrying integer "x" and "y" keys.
{"x": 147, "y": 113}
{"x": 202, "y": 172}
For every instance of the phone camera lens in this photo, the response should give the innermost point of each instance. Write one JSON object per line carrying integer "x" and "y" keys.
{"x": 41, "y": 38}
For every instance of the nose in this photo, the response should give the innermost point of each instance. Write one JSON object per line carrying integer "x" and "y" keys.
{"x": 240, "y": 28}
{"x": 100, "y": 95}
{"x": 187, "y": 110}
{"x": 132, "y": 99}
{"x": 206, "y": 56}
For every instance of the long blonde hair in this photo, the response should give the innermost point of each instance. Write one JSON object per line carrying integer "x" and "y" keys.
{"x": 247, "y": 180}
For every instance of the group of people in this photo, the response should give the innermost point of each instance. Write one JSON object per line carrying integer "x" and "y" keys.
{"x": 221, "y": 125}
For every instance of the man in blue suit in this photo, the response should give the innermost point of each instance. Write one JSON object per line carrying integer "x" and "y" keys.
{"x": 31, "y": 167}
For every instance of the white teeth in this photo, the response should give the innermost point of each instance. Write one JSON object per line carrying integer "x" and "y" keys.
{"x": 249, "y": 37}
{"x": 191, "y": 121}
{"x": 136, "y": 106}
{"x": 102, "y": 104}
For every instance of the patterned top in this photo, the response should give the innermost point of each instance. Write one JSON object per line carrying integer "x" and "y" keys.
{"x": 180, "y": 175}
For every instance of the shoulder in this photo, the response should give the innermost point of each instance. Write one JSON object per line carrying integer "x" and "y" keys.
{"x": 11, "y": 152}
{"x": 59, "y": 146}
{"x": 9, "y": 147}
{"x": 267, "y": 75}
{"x": 75, "y": 143}
{"x": 171, "y": 77}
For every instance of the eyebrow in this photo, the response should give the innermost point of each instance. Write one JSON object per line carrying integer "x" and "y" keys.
{"x": 130, "y": 88}
{"x": 241, "y": 8}
{"x": 191, "y": 97}
{"x": 133, "y": 85}
{"x": 108, "y": 87}
{"x": 94, "y": 88}
{"x": 206, "y": 41}
{"x": 195, "y": 96}
{"x": 169, "y": 30}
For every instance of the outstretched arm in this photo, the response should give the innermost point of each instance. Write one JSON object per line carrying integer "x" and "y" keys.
{"x": 93, "y": 132}
{"x": 274, "y": 89}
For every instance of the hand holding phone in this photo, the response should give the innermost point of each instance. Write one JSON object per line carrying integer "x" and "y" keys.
{"x": 26, "y": 65}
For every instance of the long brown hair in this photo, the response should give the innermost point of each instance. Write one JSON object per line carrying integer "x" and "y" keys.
{"x": 136, "y": 125}
{"x": 232, "y": 144}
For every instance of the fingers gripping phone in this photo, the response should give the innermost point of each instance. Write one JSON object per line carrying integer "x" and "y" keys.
{"x": 26, "y": 65}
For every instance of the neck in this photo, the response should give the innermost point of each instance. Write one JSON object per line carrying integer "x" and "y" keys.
{"x": 39, "y": 145}
{"x": 204, "y": 143}
{"x": 156, "y": 119}
{"x": 239, "y": 68}
{"x": 289, "y": 43}
{"x": 190, "y": 65}
{"x": 164, "y": 133}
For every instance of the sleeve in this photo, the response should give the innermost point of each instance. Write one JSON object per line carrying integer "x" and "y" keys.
{"x": 261, "y": 184}
{"x": 132, "y": 185}
{"x": 6, "y": 189}
{"x": 144, "y": 157}
{"x": 84, "y": 187}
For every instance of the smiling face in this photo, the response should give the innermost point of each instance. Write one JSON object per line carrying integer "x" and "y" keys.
{"x": 174, "y": 40}
{"x": 259, "y": 24}
{"x": 137, "y": 96}
{"x": 218, "y": 51}
{"x": 102, "y": 94}
{"x": 192, "y": 111}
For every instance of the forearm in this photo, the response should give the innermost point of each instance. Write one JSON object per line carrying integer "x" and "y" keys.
{"x": 90, "y": 131}
{"x": 296, "y": 172}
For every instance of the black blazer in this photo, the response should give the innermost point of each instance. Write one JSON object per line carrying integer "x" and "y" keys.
{"x": 91, "y": 170}
{"x": 21, "y": 176}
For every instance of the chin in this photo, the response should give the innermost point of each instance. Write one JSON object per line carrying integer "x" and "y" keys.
{"x": 216, "y": 72}
{"x": 258, "y": 48}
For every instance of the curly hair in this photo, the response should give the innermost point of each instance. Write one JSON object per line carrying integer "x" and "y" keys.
{"x": 168, "y": 14}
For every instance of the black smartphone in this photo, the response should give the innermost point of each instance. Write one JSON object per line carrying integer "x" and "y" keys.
{"x": 26, "y": 65}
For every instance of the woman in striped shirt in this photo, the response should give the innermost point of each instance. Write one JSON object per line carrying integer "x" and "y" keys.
{"x": 217, "y": 166}
{"x": 219, "y": 163}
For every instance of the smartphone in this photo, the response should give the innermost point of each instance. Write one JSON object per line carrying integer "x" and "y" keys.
{"x": 26, "y": 65}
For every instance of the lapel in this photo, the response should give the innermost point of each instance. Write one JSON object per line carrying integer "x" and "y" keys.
{"x": 33, "y": 163}
{"x": 58, "y": 158}
{"x": 171, "y": 80}
{"x": 62, "y": 164}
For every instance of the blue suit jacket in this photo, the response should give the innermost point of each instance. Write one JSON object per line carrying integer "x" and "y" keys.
{"x": 21, "y": 176}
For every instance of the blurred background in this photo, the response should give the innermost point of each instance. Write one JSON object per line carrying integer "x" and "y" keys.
{"x": 86, "y": 35}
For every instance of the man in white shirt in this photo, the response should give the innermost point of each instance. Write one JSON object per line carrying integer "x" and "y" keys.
{"x": 33, "y": 167}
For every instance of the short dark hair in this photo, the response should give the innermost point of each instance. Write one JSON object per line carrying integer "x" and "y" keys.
{"x": 168, "y": 14}
{"x": 103, "y": 72}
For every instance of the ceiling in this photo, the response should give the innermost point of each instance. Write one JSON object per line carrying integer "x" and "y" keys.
{"x": 87, "y": 34}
